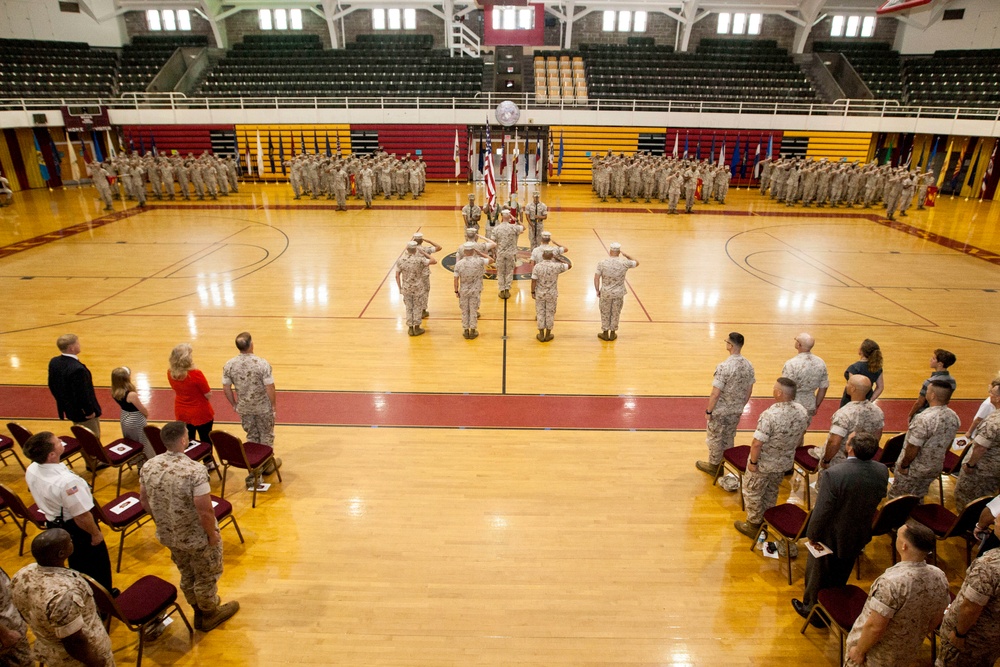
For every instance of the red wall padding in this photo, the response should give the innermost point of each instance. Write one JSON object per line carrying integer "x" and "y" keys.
{"x": 182, "y": 138}
{"x": 436, "y": 143}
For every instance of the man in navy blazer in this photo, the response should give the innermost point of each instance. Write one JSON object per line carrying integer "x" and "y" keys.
{"x": 73, "y": 387}
{"x": 849, "y": 496}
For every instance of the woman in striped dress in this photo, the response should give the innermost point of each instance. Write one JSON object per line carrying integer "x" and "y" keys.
{"x": 134, "y": 413}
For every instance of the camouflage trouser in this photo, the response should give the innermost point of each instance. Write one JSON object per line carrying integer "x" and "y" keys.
{"x": 535, "y": 229}
{"x": 545, "y": 311}
{"x": 909, "y": 485}
{"x": 611, "y": 309}
{"x": 760, "y": 493}
{"x": 505, "y": 270}
{"x": 200, "y": 571}
{"x": 259, "y": 427}
{"x": 469, "y": 303}
{"x": 976, "y": 484}
{"x": 721, "y": 434}
{"x": 414, "y": 309}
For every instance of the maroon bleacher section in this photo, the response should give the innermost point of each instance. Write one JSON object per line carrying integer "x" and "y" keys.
{"x": 701, "y": 137}
{"x": 436, "y": 143}
{"x": 182, "y": 138}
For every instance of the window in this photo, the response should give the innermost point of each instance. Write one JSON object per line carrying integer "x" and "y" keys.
{"x": 280, "y": 19}
{"x": 394, "y": 22}
{"x": 69, "y": 7}
{"x": 409, "y": 19}
{"x": 739, "y": 23}
{"x": 168, "y": 19}
{"x": 724, "y": 18}
{"x": 852, "y": 26}
{"x": 624, "y": 21}
{"x": 378, "y": 19}
{"x": 513, "y": 18}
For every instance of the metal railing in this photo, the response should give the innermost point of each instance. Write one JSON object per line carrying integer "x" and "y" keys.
{"x": 488, "y": 101}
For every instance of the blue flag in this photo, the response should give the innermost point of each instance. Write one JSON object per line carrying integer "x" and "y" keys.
{"x": 770, "y": 145}
{"x": 697, "y": 149}
{"x": 526, "y": 160}
{"x": 41, "y": 159}
{"x": 131, "y": 144}
{"x": 736, "y": 157}
{"x": 482, "y": 152}
{"x": 152, "y": 142}
{"x": 743, "y": 160}
{"x": 98, "y": 153}
{"x": 270, "y": 152}
{"x": 561, "y": 152}
{"x": 686, "y": 153}
{"x": 328, "y": 151}
{"x": 281, "y": 153}
{"x": 316, "y": 142}
{"x": 56, "y": 157}
{"x": 711, "y": 159}
{"x": 933, "y": 151}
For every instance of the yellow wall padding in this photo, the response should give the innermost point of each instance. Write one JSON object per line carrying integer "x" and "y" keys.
{"x": 291, "y": 137}
{"x": 31, "y": 157}
{"x": 836, "y": 146}
{"x": 578, "y": 140}
{"x": 7, "y": 165}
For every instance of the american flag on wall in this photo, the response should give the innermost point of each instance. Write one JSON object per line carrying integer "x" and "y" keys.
{"x": 489, "y": 179}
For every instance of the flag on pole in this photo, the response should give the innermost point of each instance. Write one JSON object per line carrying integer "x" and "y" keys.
{"x": 468, "y": 141}
{"x": 513, "y": 168}
{"x": 920, "y": 158}
{"x": 260, "y": 157}
{"x": 677, "y": 138}
{"x": 458, "y": 158}
{"x": 538, "y": 157}
{"x": 112, "y": 153}
{"x": 770, "y": 145}
{"x": 989, "y": 170}
{"x": 337, "y": 135}
{"x": 744, "y": 158}
{"x": 152, "y": 143}
{"x": 686, "y": 153}
{"x": 944, "y": 166}
{"x": 527, "y": 157}
{"x": 98, "y": 153}
{"x": 503, "y": 154}
{"x": 281, "y": 153}
{"x": 83, "y": 147}
{"x": 697, "y": 148}
{"x": 482, "y": 153}
{"x": 975, "y": 164}
{"x": 142, "y": 147}
{"x": 552, "y": 152}
{"x": 42, "y": 169}
{"x": 756, "y": 161}
{"x": 909, "y": 153}
{"x": 131, "y": 143}
{"x": 270, "y": 152}
{"x": 933, "y": 151}
{"x": 489, "y": 179}
{"x": 249, "y": 165}
{"x": 74, "y": 168}
{"x": 329, "y": 153}
{"x": 56, "y": 156}
{"x": 722, "y": 152}
{"x": 711, "y": 157}
{"x": 958, "y": 167}
{"x": 562, "y": 153}
{"x": 736, "y": 157}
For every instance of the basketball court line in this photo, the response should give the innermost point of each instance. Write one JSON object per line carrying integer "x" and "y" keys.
{"x": 629, "y": 284}
{"x": 482, "y": 411}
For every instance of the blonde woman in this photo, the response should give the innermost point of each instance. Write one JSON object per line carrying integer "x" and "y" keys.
{"x": 191, "y": 404}
{"x": 134, "y": 413}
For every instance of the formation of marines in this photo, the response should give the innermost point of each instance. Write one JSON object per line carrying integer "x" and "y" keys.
{"x": 821, "y": 182}
{"x": 137, "y": 178}
{"x": 667, "y": 179}
{"x": 363, "y": 176}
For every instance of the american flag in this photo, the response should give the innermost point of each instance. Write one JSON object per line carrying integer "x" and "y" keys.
{"x": 489, "y": 180}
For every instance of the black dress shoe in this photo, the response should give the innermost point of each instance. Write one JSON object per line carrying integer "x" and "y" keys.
{"x": 802, "y": 610}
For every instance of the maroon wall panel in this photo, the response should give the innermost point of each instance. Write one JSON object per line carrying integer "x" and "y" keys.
{"x": 435, "y": 142}
{"x": 181, "y": 138}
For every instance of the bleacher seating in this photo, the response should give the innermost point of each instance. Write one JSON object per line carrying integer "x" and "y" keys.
{"x": 720, "y": 70}
{"x": 145, "y": 56}
{"x": 954, "y": 78}
{"x": 875, "y": 62}
{"x": 560, "y": 77}
{"x": 33, "y": 68}
{"x": 373, "y": 66}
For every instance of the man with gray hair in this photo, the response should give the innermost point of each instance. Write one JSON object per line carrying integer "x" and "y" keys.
{"x": 72, "y": 386}
{"x": 779, "y": 431}
{"x": 410, "y": 281}
{"x": 505, "y": 234}
{"x": 468, "y": 274}
{"x": 609, "y": 281}
{"x": 809, "y": 374}
{"x": 858, "y": 416}
{"x": 175, "y": 491}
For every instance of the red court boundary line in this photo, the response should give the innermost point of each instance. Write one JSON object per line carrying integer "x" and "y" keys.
{"x": 482, "y": 411}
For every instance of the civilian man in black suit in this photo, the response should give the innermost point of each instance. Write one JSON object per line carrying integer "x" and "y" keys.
{"x": 842, "y": 518}
{"x": 72, "y": 386}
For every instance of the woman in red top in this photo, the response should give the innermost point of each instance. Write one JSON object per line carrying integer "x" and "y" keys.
{"x": 191, "y": 404}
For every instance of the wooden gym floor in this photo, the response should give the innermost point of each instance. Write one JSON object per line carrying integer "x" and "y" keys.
{"x": 518, "y": 503}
